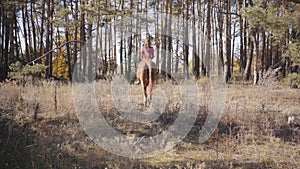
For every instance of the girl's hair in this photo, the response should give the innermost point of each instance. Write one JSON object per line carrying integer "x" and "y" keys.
{"x": 147, "y": 43}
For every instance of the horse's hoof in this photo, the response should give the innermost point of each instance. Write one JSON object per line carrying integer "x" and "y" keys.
{"x": 137, "y": 82}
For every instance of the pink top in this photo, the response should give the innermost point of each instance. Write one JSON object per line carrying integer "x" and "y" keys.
{"x": 151, "y": 53}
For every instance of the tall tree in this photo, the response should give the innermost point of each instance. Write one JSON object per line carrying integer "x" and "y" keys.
{"x": 256, "y": 69}
{"x": 157, "y": 38}
{"x": 90, "y": 44}
{"x": 67, "y": 40}
{"x": 177, "y": 46}
{"x": 164, "y": 19}
{"x": 245, "y": 52}
{"x": 170, "y": 45}
{"x": 195, "y": 56}
{"x": 186, "y": 40}
{"x": 208, "y": 54}
{"x": 122, "y": 41}
{"x": 220, "y": 17}
{"x": 200, "y": 37}
{"x": 34, "y": 36}
{"x": 83, "y": 58}
{"x": 51, "y": 39}
{"x": 241, "y": 29}
{"x": 130, "y": 46}
{"x": 11, "y": 36}
{"x": 75, "y": 14}
{"x": 41, "y": 43}
{"x": 48, "y": 34}
{"x": 24, "y": 20}
{"x": 247, "y": 71}
{"x": 227, "y": 58}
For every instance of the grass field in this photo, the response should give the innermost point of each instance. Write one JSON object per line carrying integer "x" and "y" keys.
{"x": 40, "y": 129}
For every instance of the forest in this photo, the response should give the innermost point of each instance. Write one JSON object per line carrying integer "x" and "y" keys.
{"x": 226, "y": 95}
{"x": 242, "y": 38}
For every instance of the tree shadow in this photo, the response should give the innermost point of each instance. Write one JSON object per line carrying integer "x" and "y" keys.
{"x": 25, "y": 143}
{"x": 288, "y": 133}
{"x": 60, "y": 142}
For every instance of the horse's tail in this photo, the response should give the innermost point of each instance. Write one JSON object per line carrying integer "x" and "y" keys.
{"x": 146, "y": 72}
{"x": 150, "y": 73}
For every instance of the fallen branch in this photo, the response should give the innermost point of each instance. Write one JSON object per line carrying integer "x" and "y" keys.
{"x": 76, "y": 41}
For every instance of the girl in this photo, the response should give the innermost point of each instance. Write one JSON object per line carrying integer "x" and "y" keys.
{"x": 147, "y": 50}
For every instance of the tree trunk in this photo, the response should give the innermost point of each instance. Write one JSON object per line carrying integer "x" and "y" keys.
{"x": 256, "y": 41}
{"x": 242, "y": 56}
{"x": 129, "y": 46}
{"x": 29, "y": 33}
{"x": 263, "y": 50}
{"x": 115, "y": 33}
{"x": 208, "y": 36}
{"x": 1, "y": 46}
{"x": 186, "y": 41}
{"x": 11, "y": 38}
{"x": 195, "y": 56}
{"x": 227, "y": 62}
{"x": 75, "y": 72}
{"x": 268, "y": 60}
{"x": 220, "y": 22}
{"x": 121, "y": 54}
{"x": 33, "y": 30}
{"x": 177, "y": 47}
{"x": 68, "y": 45}
{"x": 200, "y": 38}
{"x": 157, "y": 43}
{"x": 169, "y": 27}
{"x": 97, "y": 45}
{"x": 42, "y": 31}
{"x": 233, "y": 47}
{"x": 163, "y": 39}
{"x": 129, "y": 55}
{"x": 121, "y": 43}
{"x": 217, "y": 64}
{"x": 136, "y": 37}
{"x": 51, "y": 40}
{"x": 6, "y": 44}
{"x": 83, "y": 58}
{"x": 245, "y": 40}
{"x": 276, "y": 55}
{"x": 18, "y": 49}
{"x": 90, "y": 53}
{"x": 2, "y": 32}
{"x": 146, "y": 12}
{"x": 247, "y": 72}
{"x": 48, "y": 32}
{"x": 24, "y": 11}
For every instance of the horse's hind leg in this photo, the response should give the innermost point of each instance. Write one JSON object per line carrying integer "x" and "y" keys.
{"x": 145, "y": 95}
{"x": 151, "y": 86}
{"x": 145, "y": 100}
{"x": 150, "y": 92}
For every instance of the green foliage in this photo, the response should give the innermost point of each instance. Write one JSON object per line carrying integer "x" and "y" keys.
{"x": 256, "y": 16}
{"x": 294, "y": 78}
{"x": 293, "y": 52}
{"x": 177, "y": 7}
{"x": 270, "y": 15}
{"x": 16, "y": 70}
{"x": 19, "y": 71}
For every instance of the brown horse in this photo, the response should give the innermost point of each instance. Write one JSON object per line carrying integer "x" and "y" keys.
{"x": 147, "y": 74}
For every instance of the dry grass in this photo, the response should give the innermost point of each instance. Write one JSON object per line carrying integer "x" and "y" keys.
{"x": 253, "y": 132}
